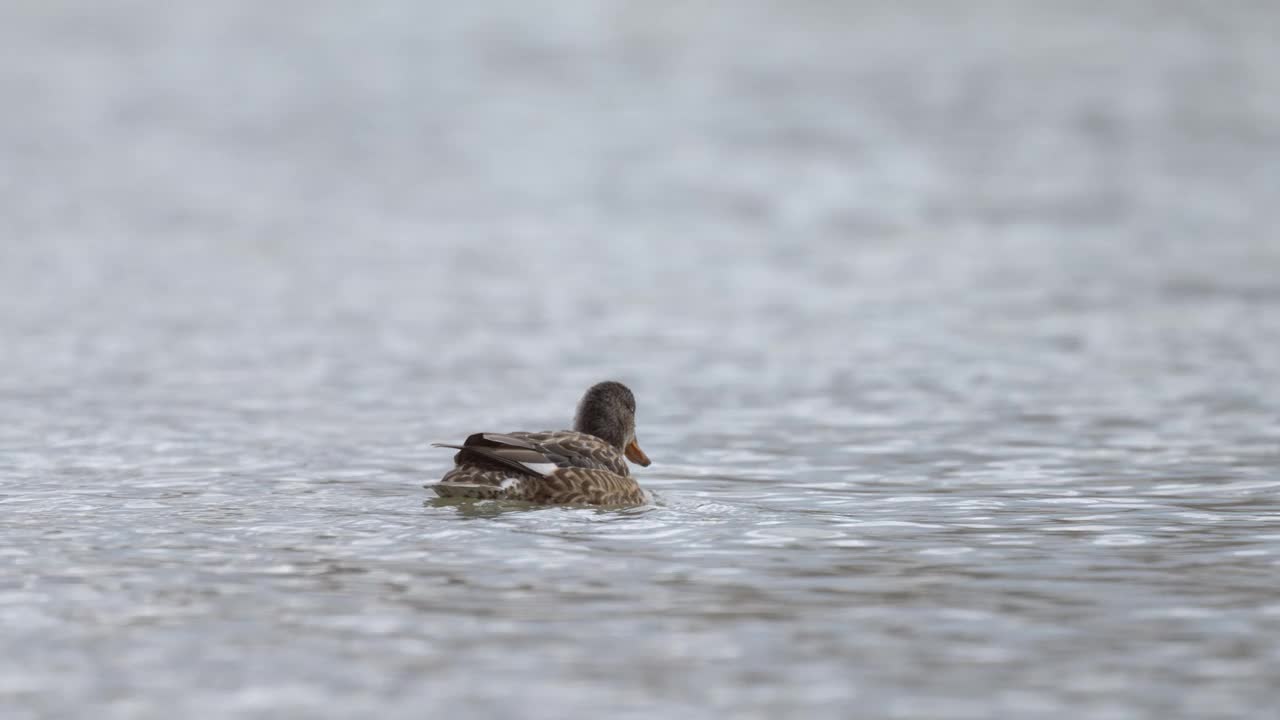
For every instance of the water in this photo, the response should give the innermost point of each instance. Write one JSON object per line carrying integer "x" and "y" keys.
{"x": 955, "y": 334}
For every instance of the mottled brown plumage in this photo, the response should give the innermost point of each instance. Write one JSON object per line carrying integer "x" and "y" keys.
{"x": 583, "y": 466}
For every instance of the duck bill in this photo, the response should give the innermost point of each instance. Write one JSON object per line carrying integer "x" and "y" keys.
{"x": 636, "y": 455}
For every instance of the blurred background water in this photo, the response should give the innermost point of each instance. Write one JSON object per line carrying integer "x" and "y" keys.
{"x": 955, "y": 329}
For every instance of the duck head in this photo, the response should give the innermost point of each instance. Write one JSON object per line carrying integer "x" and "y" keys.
{"x": 608, "y": 411}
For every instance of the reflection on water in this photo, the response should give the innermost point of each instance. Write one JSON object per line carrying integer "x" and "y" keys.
{"x": 954, "y": 335}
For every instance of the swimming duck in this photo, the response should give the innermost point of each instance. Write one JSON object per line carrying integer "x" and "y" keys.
{"x": 583, "y": 466}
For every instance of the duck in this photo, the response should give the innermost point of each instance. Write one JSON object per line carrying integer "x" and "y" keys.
{"x": 583, "y": 466}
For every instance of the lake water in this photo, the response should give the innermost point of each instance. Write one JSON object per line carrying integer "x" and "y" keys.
{"x": 955, "y": 331}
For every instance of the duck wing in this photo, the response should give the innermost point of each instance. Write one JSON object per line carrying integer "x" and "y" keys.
{"x": 581, "y": 450}
{"x": 540, "y": 454}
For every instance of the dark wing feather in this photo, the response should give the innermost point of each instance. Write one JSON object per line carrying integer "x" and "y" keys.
{"x": 564, "y": 449}
{"x": 498, "y": 440}
{"x": 510, "y": 451}
{"x": 507, "y": 459}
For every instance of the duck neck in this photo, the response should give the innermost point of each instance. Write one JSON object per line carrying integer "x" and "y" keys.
{"x": 611, "y": 433}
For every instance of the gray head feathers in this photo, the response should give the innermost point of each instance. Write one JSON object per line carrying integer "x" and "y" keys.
{"x": 608, "y": 411}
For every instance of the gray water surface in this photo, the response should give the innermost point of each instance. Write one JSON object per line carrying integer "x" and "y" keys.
{"x": 955, "y": 330}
